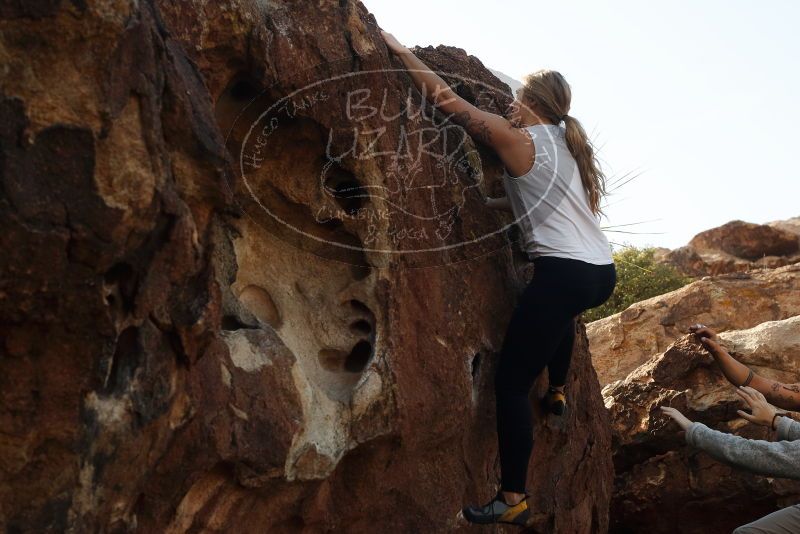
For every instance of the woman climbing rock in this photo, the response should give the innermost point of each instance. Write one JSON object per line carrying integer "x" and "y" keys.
{"x": 553, "y": 187}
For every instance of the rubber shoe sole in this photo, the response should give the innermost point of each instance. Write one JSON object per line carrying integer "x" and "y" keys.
{"x": 486, "y": 514}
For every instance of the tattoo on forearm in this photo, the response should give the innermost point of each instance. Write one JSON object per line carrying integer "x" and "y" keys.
{"x": 784, "y": 395}
{"x": 475, "y": 127}
{"x": 775, "y": 386}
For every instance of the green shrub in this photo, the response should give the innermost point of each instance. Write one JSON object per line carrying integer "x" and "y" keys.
{"x": 639, "y": 277}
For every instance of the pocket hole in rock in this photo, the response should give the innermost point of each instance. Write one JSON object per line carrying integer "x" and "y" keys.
{"x": 231, "y": 322}
{"x": 361, "y": 327}
{"x": 338, "y": 361}
{"x": 360, "y": 307}
{"x": 244, "y": 88}
{"x": 124, "y": 361}
{"x": 233, "y": 110}
{"x": 120, "y": 286}
{"x": 359, "y": 357}
{"x": 345, "y": 189}
{"x": 476, "y": 363}
{"x": 359, "y": 272}
{"x": 476, "y": 375}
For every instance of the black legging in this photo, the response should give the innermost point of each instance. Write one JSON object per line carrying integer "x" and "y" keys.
{"x": 541, "y": 333}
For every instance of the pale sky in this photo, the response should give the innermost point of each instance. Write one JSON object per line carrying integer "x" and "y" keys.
{"x": 699, "y": 96}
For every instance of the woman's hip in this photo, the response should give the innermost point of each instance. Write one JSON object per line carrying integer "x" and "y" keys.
{"x": 574, "y": 271}
{"x": 585, "y": 284}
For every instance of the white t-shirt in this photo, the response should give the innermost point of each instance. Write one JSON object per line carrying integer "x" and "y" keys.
{"x": 550, "y": 204}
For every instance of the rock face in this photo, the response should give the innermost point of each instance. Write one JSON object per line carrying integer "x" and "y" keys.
{"x": 247, "y": 287}
{"x": 736, "y": 247}
{"x": 657, "y": 475}
{"x": 623, "y": 341}
{"x": 790, "y": 225}
{"x": 747, "y": 240}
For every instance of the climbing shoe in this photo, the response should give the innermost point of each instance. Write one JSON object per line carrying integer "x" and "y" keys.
{"x": 497, "y": 511}
{"x": 555, "y": 401}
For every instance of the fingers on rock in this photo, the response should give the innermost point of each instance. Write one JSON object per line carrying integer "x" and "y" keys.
{"x": 745, "y": 415}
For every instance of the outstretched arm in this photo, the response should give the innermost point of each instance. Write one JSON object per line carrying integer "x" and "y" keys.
{"x": 782, "y": 395}
{"x": 774, "y": 459}
{"x": 488, "y": 128}
{"x": 778, "y": 459}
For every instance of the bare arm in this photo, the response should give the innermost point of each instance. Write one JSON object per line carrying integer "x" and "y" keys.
{"x": 786, "y": 396}
{"x": 490, "y": 129}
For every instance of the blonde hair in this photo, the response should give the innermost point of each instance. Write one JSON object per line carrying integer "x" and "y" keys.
{"x": 551, "y": 96}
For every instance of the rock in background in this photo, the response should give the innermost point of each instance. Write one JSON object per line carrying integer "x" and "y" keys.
{"x": 657, "y": 475}
{"x": 173, "y": 360}
{"x": 737, "y": 246}
{"x": 748, "y": 291}
{"x": 622, "y": 342}
{"x": 789, "y": 225}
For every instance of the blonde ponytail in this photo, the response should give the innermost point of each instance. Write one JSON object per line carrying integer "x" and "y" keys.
{"x": 550, "y": 95}
{"x": 592, "y": 177}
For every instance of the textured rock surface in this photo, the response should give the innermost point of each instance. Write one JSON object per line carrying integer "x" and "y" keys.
{"x": 789, "y": 225}
{"x": 173, "y": 360}
{"x": 657, "y": 474}
{"x": 736, "y": 247}
{"x": 623, "y": 341}
{"x": 747, "y": 240}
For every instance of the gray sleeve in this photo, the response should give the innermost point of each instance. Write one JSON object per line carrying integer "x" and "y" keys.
{"x": 788, "y": 429}
{"x": 775, "y": 459}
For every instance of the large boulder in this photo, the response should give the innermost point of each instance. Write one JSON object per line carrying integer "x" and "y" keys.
{"x": 736, "y": 247}
{"x": 657, "y": 475}
{"x": 747, "y": 240}
{"x": 230, "y": 300}
{"x": 623, "y": 341}
{"x": 789, "y": 225}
